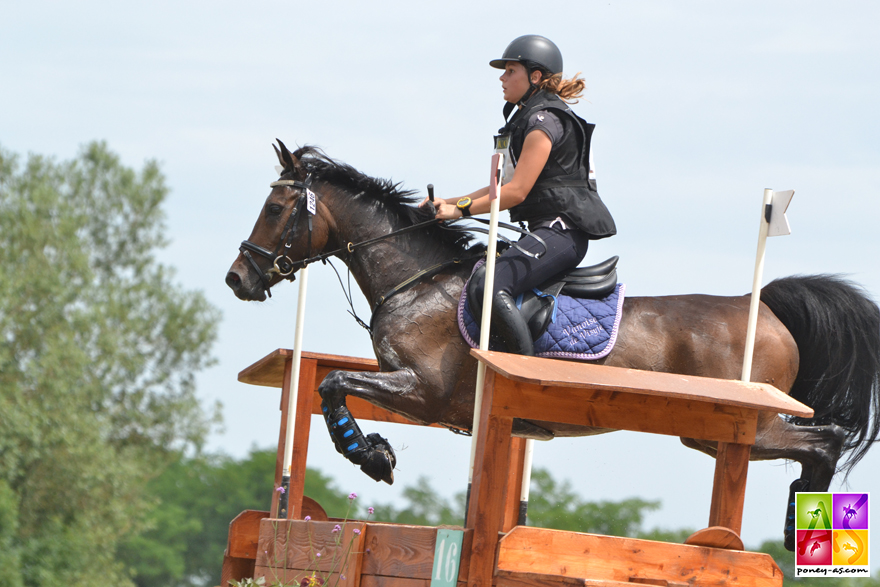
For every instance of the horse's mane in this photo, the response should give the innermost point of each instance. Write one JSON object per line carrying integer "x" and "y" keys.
{"x": 389, "y": 195}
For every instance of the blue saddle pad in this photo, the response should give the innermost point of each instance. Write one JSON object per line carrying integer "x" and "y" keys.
{"x": 581, "y": 329}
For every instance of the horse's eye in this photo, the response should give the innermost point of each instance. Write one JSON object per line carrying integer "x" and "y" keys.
{"x": 274, "y": 209}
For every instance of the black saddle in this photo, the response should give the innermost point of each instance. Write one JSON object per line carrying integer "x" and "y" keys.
{"x": 593, "y": 282}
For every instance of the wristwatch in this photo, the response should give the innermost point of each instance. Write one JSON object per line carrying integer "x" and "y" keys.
{"x": 464, "y": 204}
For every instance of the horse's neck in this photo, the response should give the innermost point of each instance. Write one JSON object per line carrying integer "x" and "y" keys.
{"x": 381, "y": 266}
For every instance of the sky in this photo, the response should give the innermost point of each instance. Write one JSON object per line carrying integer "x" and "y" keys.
{"x": 699, "y": 106}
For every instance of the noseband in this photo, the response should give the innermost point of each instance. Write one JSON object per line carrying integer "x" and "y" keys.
{"x": 282, "y": 264}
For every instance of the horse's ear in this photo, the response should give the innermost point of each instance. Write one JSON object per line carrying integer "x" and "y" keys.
{"x": 286, "y": 158}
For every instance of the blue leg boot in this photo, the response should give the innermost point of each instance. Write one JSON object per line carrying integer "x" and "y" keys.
{"x": 373, "y": 453}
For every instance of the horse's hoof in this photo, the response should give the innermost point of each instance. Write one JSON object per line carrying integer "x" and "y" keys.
{"x": 379, "y": 460}
{"x": 789, "y": 535}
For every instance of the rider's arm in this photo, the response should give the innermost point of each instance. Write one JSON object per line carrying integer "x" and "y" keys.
{"x": 535, "y": 152}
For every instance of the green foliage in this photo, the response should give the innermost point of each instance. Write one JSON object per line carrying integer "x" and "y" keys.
{"x": 425, "y": 508}
{"x": 98, "y": 353}
{"x": 554, "y": 505}
{"x": 196, "y": 499}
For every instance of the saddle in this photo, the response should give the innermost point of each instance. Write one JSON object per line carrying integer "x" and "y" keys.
{"x": 538, "y": 306}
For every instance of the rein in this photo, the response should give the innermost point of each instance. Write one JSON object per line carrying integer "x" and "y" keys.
{"x": 285, "y": 267}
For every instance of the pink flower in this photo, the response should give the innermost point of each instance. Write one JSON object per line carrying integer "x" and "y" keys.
{"x": 370, "y": 509}
{"x": 336, "y": 528}
{"x": 279, "y": 489}
{"x": 307, "y": 518}
{"x": 356, "y": 532}
{"x": 352, "y": 495}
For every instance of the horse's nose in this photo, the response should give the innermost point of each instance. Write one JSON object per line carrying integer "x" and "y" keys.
{"x": 233, "y": 280}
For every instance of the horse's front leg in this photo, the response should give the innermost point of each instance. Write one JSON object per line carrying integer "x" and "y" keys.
{"x": 372, "y": 452}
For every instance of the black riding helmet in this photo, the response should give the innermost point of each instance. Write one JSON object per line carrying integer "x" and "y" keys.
{"x": 532, "y": 51}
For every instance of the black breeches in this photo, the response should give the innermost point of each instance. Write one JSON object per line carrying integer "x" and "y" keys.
{"x": 516, "y": 272}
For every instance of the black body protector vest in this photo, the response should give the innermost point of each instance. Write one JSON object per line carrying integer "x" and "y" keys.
{"x": 564, "y": 187}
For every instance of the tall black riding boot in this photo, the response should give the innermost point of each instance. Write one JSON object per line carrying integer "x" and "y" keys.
{"x": 508, "y": 323}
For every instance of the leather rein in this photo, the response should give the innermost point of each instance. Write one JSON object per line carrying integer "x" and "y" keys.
{"x": 282, "y": 264}
{"x": 285, "y": 267}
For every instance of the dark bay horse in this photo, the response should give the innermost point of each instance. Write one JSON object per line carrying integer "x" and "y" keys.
{"x": 818, "y": 336}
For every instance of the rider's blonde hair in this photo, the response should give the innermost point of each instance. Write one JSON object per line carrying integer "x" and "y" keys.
{"x": 567, "y": 89}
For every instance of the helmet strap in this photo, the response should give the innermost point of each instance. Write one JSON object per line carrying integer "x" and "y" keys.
{"x": 509, "y": 106}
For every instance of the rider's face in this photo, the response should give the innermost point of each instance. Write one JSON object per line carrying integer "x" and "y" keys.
{"x": 514, "y": 81}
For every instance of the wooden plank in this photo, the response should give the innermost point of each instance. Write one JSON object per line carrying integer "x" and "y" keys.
{"x": 604, "y": 408}
{"x": 354, "y": 536}
{"x": 244, "y": 534}
{"x": 609, "y": 558}
{"x": 729, "y": 487}
{"x": 399, "y": 551}
{"x": 297, "y": 544}
{"x": 294, "y": 577}
{"x": 555, "y": 373}
{"x": 269, "y": 371}
{"x": 517, "y": 579}
{"x": 524, "y": 579}
{"x": 382, "y": 581}
{"x": 235, "y": 569}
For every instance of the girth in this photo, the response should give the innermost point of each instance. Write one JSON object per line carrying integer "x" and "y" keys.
{"x": 594, "y": 282}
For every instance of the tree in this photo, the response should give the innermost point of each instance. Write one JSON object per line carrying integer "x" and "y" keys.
{"x": 425, "y": 507}
{"x": 98, "y": 353}
{"x": 554, "y": 505}
{"x": 196, "y": 499}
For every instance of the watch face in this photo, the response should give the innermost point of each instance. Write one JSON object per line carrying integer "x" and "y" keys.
{"x": 464, "y": 203}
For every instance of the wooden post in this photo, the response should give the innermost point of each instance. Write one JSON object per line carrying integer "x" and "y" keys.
{"x": 307, "y": 382}
{"x": 491, "y": 470}
{"x": 729, "y": 489}
{"x": 513, "y": 493}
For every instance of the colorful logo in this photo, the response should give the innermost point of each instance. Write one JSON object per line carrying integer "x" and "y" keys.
{"x": 831, "y": 534}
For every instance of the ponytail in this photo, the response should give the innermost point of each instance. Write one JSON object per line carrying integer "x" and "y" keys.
{"x": 569, "y": 90}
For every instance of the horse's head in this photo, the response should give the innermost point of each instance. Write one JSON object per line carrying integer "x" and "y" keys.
{"x": 290, "y": 228}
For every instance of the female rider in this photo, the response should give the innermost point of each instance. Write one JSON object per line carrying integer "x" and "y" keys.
{"x": 548, "y": 181}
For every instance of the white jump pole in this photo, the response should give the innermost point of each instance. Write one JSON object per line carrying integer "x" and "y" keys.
{"x": 485, "y": 323}
{"x": 294, "y": 392}
{"x": 773, "y": 223}
{"x": 526, "y": 482}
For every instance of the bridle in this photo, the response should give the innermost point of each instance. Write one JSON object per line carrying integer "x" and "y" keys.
{"x": 282, "y": 264}
{"x": 285, "y": 267}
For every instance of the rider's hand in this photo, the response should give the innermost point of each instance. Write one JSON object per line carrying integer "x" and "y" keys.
{"x": 447, "y": 211}
{"x": 427, "y": 203}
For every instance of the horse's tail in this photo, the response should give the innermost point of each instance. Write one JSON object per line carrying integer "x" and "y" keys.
{"x": 836, "y": 326}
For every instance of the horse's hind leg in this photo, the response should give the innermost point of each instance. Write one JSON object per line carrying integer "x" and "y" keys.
{"x": 372, "y": 452}
{"x": 816, "y": 448}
